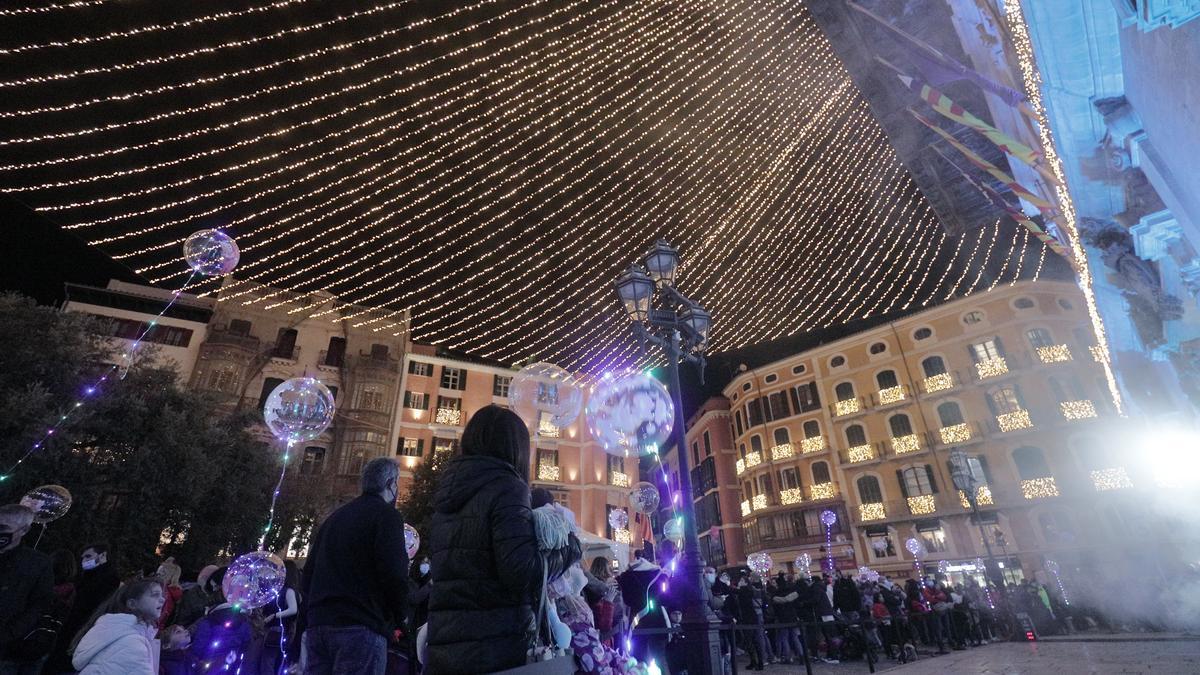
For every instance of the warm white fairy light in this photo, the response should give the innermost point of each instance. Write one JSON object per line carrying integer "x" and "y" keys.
{"x": 753, "y": 459}
{"x": 823, "y": 491}
{"x": 618, "y": 479}
{"x": 920, "y": 505}
{"x": 1077, "y": 410}
{"x": 782, "y": 451}
{"x": 847, "y": 407}
{"x": 759, "y": 502}
{"x": 1054, "y": 354}
{"x": 1036, "y": 488}
{"x": 903, "y": 445}
{"x": 939, "y": 382}
{"x": 791, "y": 496}
{"x": 983, "y": 497}
{"x": 740, "y": 466}
{"x": 861, "y": 453}
{"x": 1014, "y": 421}
{"x": 891, "y": 395}
{"x": 745, "y": 507}
{"x": 813, "y": 444}
{"x": 993, "y": 367}
{"x": 955, "y": 433}
{"x": 871, "y": 511}
{"x": 1114, "y": 478}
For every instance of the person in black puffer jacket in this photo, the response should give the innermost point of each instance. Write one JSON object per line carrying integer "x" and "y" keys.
{"x": 487, "y": 570}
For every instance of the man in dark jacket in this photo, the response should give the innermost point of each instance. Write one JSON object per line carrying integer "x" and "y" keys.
{"x": 847, "y": 599}
{"x": 26, "y": 589}
{"x": 356, "y": 579}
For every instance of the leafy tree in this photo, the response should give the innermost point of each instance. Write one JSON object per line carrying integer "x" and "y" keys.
{"x": 417, "y": 504}
{"x": 141, "y": 456}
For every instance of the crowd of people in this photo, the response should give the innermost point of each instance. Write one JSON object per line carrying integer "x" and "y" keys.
{"x": 504, "y": 585}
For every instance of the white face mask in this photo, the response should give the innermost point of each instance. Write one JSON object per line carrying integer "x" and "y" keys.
{"x": 89, "y": 564}
{"x": 424, "y": 567}
{"x": 710, "y": 578}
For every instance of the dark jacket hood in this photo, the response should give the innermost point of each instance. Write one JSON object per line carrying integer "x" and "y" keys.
{"x": 463, "y": 476}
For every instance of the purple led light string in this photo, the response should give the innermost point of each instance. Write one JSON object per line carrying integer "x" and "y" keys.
{"x": 95, "y": 386}
{"x": 287, "y": 453}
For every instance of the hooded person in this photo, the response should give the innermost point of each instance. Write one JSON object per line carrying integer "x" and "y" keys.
{"x": 487, "y": 568}
{"x": 642, "y": 594}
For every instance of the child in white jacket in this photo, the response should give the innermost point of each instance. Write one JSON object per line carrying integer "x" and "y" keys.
{"x": 119, "y": 638}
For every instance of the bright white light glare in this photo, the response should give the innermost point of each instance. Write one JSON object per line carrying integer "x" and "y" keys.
{"x": 1173, "y": 455}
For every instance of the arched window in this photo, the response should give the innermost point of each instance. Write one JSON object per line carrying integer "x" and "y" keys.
{"x": 1056, "y": 527}
{"x": 812, "y": 429}
{"x": 756, "y": 443}
{"x": 1005, "y": 400}
{"x": 878, "y": 348}
{"x": 1031, "y": 463}
{"x": 737, "y": 416}
{"x": 781, "y": 436}
{"x": 1023, "y": 303}
{"x": 1039, "y": 337}
{"x": 933, "y": 366}
{"x": 923, "y": 334}
{"x": 1066, "y": 390}
{"x": 900, "y": 425}
{"x": 856, "y": 435}
{"x": 949, "y": 414}
{"x": 918, "y": 480}
{"x": 844, "y": 391}
{"x": 887, "y": 379}
{"x": 869, "y": 491}
{"x": 820, "y": 473}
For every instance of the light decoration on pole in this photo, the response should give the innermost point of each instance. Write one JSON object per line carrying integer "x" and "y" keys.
{"x": 917, "y": 550}
{"x": 1053, "y": 568}
{"x": 296, "y": 411}
{"x": 803, "y": 564}
{"x": 987, "y": 584}
{"x": 760, "y": 563}
{"x": 829, "y": 519}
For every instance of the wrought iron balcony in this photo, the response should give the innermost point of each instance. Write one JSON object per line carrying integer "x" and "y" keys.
{"x": 955, "y": 433}
{"x": 847, "y": 407}
{"x": 891, "y": 395}
{"x": 448, "y": 417}
{"x": 618, "y": 479}
{"x": 791, "y": 496}
{"x": 759, "y": 502}
{"x": 549, "y": 472}
{"x": 745, "y": 507}
{"x": 871, "y": 511}
{"x": 936, "y": 383}
{"x": 860, "y": 453}
{"x": 822, "y": 491}
{"x": 983, "y": 497}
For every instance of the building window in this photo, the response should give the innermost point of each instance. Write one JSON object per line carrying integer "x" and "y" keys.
{"x": 812, "y": 429}
{"x": 313, "y": 462}
{"x": 445, "y": 445}
{"x": 1070, "y": 390}
{"x": 878, "y": 348}
{"x": 949, "y": 414}
{"x": 1065, "y": 304}
{"x": 887, "y": 379}
{"x": 449, "y": 403}
{"x": 371, "y": 398}
{"x": 737, "y": 416}
{"x": 224, "y": 379}
{"x": 789, "y": 479}
{"x": 1005, "y": 400}
{"x": 900, "y": 425}
{"x": 420, "y": 368}
{"x": 770, "y": 378}
{"x": 411, "y": 447}
{"x": 987, "y": 350}
{"x": 806, "y": 398}
{"x": 881, "y": 544}
{"x": 500, "y": 384}
{"x": 335, "y": 353}
{"x": 332, "y": 392}
{"x": 923, "y": 334}
{"x": 856, "y": 435}
{"x": 353, "y": 459}
{"x": 416, "y": 400}
{"x": 454, "y": 378}
{"x": 285, "y": 343}
{"x": 782, "y": 437}
{"x": 1023, "y": 303}
{"x": 933, "y": 366}
{"x": 971, "y": 318}
{"x": 917, "y": 480}
{"x": 869, "y": 491}
{"x": 1031, "y": 463}
{"x": 269, "y": 385}
{"x": 1039, "y": 337}
{"x": 239, "y": 327}
{"x": 799, "y": 370}
{"x": 130, "y": 329}
{"x": 844, "y": 391}
{"x": 934, "y": 540}
{"x": 754, "y": 412}
{"x": 756, "y": 443}
{"x": 707, "y": 445}
{"x": 777, "y": 405}
{"x": 837, "y": 362}
{"x": 820, "y": 473}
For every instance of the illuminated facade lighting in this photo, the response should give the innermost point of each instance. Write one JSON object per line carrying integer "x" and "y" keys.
{"x": 759, "y": 502}
{"x": 1036, "y": 488}
{"x": 791, "y": 496}
{"x": 891, "y": 395}
{"x": 1114, "y": 478}
{"x": 939, "y": 383}
{"x": 921, "y": 505}
{"x": 991, "y": 368}
{"x": 847, "y": 407}
{"x": 549, "y": 472}
{"x": 782, "y": 451}
{"x": 983, "y": 497}
{"x": 823, "y": 491}
{"x": 618, "y": 479}
{"x": 753, "y": 459}
{"x": 1077, "y": 410}
{"x": 623, "y": 536}
{"x": 814, "y": 444}
{"x": 745, "y": 508}
{"x": 448, "y": 417}
{"x": 1054, "y": 354}
{"x": 548, "y": 430}
{"x": 874, "y": 511}
{"x": 955, "y": 433}
{"x": 740, "y": 466}
{"x": 906, "y": 444}
{"x": 1014, "y": 421}
{"x": 861, "y": 453}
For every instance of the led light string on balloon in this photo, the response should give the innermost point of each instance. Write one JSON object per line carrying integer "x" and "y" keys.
{"x": 916, "y": 549}
{"x": 208, "y": 253}
{"x": 987, "y": 584}
{"x": 1053, "y": 568}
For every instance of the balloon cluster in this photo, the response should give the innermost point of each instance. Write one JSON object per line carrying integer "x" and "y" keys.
{"x": 412, "y": 541}
{"x": 543, "y": 392}
{"x": 644, "y": 497}
{"x": 254, "y": 579}
{"x": 48, "y": 503}
{"x": 760, "y": 563}
{"x": 619, "y": 519}
{"x": 299, "y": 409}
{"x": 630, "y": 414}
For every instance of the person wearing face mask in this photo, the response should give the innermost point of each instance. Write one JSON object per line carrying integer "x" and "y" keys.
{"x": 26, "y": 593}
{"x": 97, "y": 582}
{"x": 354, "y": 584}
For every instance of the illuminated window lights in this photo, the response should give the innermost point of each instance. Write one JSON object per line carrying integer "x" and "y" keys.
{"x": 623, "y": 536}
{"x": 549, "y": 472}
{"x": 861, "y": 453}
{"x": 618, "y": 479}
{"x": 448, "y": 417}
{"x": 1114, "y": 478}
{"x": 983, "y": 497}
{"x": 740, "y": 466}
{"x": 938, "y": 383}
{"x": 814, "y": 444}
{"x": 906, "y": 444}
{"x": 791, "y": 496}
{"x": 955, "y": 433}
{"x": 753, "y": 459}
{"x": 1036, "y": 488}
{"x": 847, "y": 407}
{"x": 823, "y": 491}
{"x": 548, "y": 430}
{"x": 874, "y": 511}
{"x": 782, "y": 451}
{"x": 921, "y": 505}
{"x": 1054, "y": 354}
{"x": 1014, "y": 421}
{"x": 1077, "y": 410}
{"x": 891, "y": 395}
{"x": 759, "y": 502}
{"x": 745, "y": 508}
{"x": 991, "y": 368}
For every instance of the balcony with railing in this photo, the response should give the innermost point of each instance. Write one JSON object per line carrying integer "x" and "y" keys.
{"x": 1077, "y": 410}
{"x": 745, "y": 507}
{"x": 618, "y": 479}
{"x": 990, "y": 368}
{"x": 903, "y": 445}
{"x": 790, "y": 496}
{"x": 760, "y": 502}
{"x": 1038, "y": 488}
{"x": 956, "y": 433}
{"x": 849, "y": 406}
{"x": 222, "y": 336}
{"x": 820, "y": 491}
{"x": 284, "y": 354}
{"x": 811, "y": 445}
{"x": 891, "y": 395}
{"x": 451, "y": 417}
{"x": 1054, "y": 354}
{"x": 548, "y": 471}
{"x": 751, "y": 460}
{"x": 983, "y": 497}
{"x": 1014, "y": 421}
{"x": 783, "y": 451}
{"x": 622, "y": 536}
{"x": 546, "y": 429}
{"x": 942, "y": 382}
{"x": 871, "y": 511}
{"x": 376, "y": 361}
{"x": 921, "y": 505}
{"x": 859, "y": 454}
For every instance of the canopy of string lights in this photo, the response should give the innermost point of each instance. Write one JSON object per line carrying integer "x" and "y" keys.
{"x": 491, "y": 164}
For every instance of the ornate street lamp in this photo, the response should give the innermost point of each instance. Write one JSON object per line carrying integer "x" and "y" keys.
{"x": 964, "y": 479}
{"x": 680, "y": 327}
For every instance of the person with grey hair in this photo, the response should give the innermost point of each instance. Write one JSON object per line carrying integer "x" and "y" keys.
{"x": 25, "y": 594}
{"x": 355, "y": 580}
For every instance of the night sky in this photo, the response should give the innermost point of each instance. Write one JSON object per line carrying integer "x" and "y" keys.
{"x": 493, "y": 165}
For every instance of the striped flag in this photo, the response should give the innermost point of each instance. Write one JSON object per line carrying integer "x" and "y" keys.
{"x": 948, "y": 108}
{"x": 994, "y": 171}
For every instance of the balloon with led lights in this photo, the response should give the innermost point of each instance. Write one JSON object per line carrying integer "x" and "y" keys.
{"x": 644, "y": 497}
{"x": 913, "y": 546}
{"x": 412, "y": 540}
{"x": 254, "y": 580}
{"x": 760, "y": 563}
{"x": 943, "y": 567}
{"x": 543, "y": 391}
{"x": 804, "y": 562}
{"x": 673, "y": 529}
{"x": 299, "y": 409}
{"x": 619, "y": 519}
{"x": 630, "y": 414}
{"x": 1052, "y": 567}
{"x": 828, "y": 518}
{"x": 48, "y": 503}
{"x": 211, "y": 253}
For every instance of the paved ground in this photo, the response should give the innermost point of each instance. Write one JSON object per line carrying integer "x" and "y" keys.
{"x": 1083, "y": 654}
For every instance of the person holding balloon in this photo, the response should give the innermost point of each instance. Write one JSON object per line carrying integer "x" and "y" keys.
{"x": 27, "y": 592}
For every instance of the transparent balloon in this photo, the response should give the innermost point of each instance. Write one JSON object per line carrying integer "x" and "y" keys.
{"x": 412, "y": 541}
{"x": 545, "y": 396}
{"x": 914, "y": 547}
{"x": 803, "y": 562}
{"x": 630, "y": 414}
{"x": 673, "y": 529}
{"x": 828, "y": 518}
{"x": 254, "y": 580}
{"x": 644, "y": 497}
{"x": 619, "y": 519}
{"x": 760, "y": 563}
{"x": 299, "y": 409}
{"x": 943, "y": 567}
{"x": 211, "y": 253}
{"x": 48, "y": 502}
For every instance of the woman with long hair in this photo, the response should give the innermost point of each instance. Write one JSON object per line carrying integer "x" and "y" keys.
{"x": 487, "y": 569}
{"x": 119, "y": 637}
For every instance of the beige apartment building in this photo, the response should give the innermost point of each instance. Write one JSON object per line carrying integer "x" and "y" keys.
{"x": 863, "y": 426}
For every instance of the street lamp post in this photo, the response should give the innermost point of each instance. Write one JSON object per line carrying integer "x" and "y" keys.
{"x": 679, "y": 326}
{"x": 965, "y": 480}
